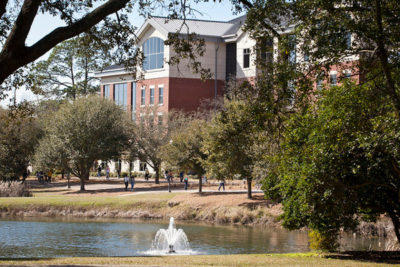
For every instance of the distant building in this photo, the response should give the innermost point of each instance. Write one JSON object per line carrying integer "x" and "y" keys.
{"x": 230, "y": 53}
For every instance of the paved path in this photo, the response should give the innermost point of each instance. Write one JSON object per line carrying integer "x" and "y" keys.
{"x": 191, "y": 191}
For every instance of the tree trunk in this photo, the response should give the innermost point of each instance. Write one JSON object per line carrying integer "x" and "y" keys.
{"x": 157, "y": 179}
{"x": 249, "y": 188}
{"x": 200, "y": 184}
{"x": 82, "y": 183}
{"x": 384, "y": 59}
{"x": 396, "y": 224}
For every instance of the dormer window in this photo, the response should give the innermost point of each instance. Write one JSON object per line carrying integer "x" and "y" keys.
{"x": 153, "y": 51}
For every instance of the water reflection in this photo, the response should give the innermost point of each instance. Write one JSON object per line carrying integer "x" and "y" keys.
{"x": 61, "y": 238}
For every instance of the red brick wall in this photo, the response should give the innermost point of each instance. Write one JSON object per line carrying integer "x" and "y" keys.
{"x": 187, "y": 94}
{"x": 152, "y": 82}
{"x": 179, "y": 93}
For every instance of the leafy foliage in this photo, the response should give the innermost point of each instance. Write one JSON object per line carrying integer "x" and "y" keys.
{"x": 81, "y": 132}
{"x": 68, "y": 71}
{"x": 184, "y": 152}
{"x": 342, "y": 152}
{"x": 149, "y": 135}
{"x": 19, "y": 133}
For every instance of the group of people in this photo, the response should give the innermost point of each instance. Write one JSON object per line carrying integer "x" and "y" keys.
{"x": 44, "y": 177}
{"x": 127, "y": 180}
{"x": 169, "y": 177}
{"x": 99, "y": 169}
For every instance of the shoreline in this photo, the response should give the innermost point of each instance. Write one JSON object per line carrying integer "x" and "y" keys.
{"x": 289, "y": 259}
{"x": 135, "y": 208}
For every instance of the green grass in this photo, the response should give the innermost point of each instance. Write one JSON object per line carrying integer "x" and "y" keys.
{"x": 121, "y": 202}
{"x": 295, "y": 259}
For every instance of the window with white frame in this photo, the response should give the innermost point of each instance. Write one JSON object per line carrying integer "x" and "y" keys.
{"x": 160, "y": 95}
{"x": 107, "y": 91}
{"x": 333, "y": 78}
{"x": 152, "y": 95}
{"x": 143, "y": 96}
{"x": 246, "y": 58}
{"x": 121, "y": 94}
{"x": 153, "y": 51}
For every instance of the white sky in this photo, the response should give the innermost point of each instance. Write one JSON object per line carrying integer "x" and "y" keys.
{"x": 43, "y": 24}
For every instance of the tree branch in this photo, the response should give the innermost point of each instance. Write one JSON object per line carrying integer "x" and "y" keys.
{"x": 3, "y": 5}
{"x": 63, "y": 33}
{"x": 22, "y": 26}
{"x": 12, "y": 58}
{"x": 249, "y": 5}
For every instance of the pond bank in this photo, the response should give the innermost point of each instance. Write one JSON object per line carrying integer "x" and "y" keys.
{"x": 293, "y": 259}
{"x": 208, "y": 207}
{"x": 225, "y": 209}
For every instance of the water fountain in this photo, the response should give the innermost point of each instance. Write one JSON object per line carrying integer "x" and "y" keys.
{"x": 170, "y": 240}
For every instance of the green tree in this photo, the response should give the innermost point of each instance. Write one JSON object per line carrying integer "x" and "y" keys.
{"x": 184, "y": 152}
{"x": 149, "y": 135}
{"x": 339, "y": 162}
{"x": 228, "y": 143}
{"x": 81, "y": 132}
{"x": 19, "y": 134}
{"x": 67, "y": 72}
{"x": 357, "y": 35}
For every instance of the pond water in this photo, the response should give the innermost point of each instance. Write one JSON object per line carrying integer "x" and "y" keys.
{"x": 62, "y": 238}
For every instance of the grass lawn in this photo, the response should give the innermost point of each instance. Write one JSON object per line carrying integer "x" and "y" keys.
{"x": 295, "y": 259}
{"x": 121, "y": 202}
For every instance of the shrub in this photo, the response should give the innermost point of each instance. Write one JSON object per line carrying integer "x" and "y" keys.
{"x": 123, "y": 174}
{"x": 14, "y": 189}
{"x": 323, "y": 241}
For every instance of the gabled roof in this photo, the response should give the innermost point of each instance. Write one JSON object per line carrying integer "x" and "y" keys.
{"x": 204, "y": 28}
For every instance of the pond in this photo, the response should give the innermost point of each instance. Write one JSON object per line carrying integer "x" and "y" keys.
{"x": 87, "y": 238}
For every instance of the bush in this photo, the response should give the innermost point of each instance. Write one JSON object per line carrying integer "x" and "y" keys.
{"x": 135, "y": 174}
{"x": 14, "y": 189}
{"x": 323, "y": 241}
{"x": 123, "y": 174}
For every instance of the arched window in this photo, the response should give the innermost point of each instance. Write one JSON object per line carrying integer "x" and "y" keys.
{"x": 153, "y": 50}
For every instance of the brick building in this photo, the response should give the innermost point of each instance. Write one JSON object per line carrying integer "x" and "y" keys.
{"x": 229, "y": 53}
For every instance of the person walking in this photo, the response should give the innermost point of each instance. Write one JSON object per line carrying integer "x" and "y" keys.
{"x": 181, "y": 176}
{"x": 108, "y": 173}
{"x": 132, "y": 180}
{"x": 186, "y": 180}
{"x": 49, "y": 175}
{"x": 126, "y": 181}
{"x": 25, "y": 175}
{"x": 146, "y": 175}
{"x": 99, "y": 171}
{"x": 222, "y": 184}
{"x": 169, "y": 178}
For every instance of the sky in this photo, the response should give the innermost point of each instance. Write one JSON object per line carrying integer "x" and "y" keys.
{"x": 44, "y": 24}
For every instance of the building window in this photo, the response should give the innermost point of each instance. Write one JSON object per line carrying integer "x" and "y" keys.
{"x": 246, "y": 58}
{"x": 151, "y": 95}
{"x": 107, "y": 91}
{"x": 292, "y": 49}
{"x": 266, "y": 49}
{"x": 121, "y": 94}
{"x": 143, "y": 96}
{"x": 348, "y": 40}
{"x": 347, "y": 75}
{"x": 333, "y": 79}
{"x": 320, "y": 84}
{"x": 160, "y": 95}
{"x": 153, "y": 51}
{"x": 160, "y": 119}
